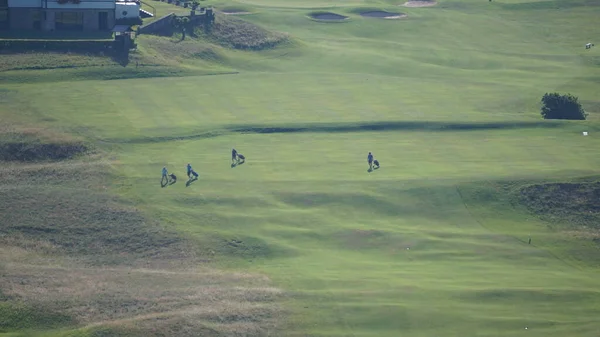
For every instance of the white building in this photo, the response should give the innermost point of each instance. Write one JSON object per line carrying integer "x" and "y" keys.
{"x": 51, "y": 15}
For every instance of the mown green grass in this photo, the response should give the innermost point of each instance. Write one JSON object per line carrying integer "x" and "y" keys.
{"x": 308, "y": 213}
{"x": 433, "y": 243}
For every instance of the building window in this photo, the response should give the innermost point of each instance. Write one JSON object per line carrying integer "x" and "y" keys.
{"x": 69, "y": 21}
{"x": 4, "y": 19}
{"x": 36, "y": 18}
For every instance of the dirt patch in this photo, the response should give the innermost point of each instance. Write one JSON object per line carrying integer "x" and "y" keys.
{"x": 576, "y": 205}
{"x": 327, "y": 16}
{"x": 383, "y": 15}
{"x": 25, "y": 151}
{"x": 419, "y": 3}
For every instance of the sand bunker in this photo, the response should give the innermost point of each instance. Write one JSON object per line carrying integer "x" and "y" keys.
{"x": 328, "y": 16}
{"x": 383, "y": 15}
{"x": 420, "y": 3}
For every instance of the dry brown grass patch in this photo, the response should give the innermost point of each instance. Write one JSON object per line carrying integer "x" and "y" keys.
{"x": 69, "y": 248}
{"x": 52, "y": 60}
{"x": 115, "y": 296}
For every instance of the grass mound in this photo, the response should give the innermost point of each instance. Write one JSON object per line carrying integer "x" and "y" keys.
{"x": 36, "y": 145}
{"x": 59, "y": 206}
{"x": 40, "y": 152}
{"x": 15, "y": 316}
{"x": 73, "y": 255}
{"x": 576, "y": 204}
{"x": 166, "y": 50}
{"x": 327, "y": 16}
{"x": 236, "y": 33}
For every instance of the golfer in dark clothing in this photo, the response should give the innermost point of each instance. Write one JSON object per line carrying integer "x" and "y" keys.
{"x": 233, "y": 155}
{"x": 370, "y": 160}
{"x": 191, "y": 172}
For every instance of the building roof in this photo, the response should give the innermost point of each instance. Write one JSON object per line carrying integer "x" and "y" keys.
{"x": 122, "y": 29}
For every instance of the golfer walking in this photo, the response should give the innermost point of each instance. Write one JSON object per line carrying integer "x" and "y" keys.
{"x": 190, "y": 171}
{"x": 164, "y": 175}
{"x": 233, "y": 155}
{"x": 370, "y": 160}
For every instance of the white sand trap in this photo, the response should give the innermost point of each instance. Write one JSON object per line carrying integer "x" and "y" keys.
{"x": 328, "y": 16}
{"x": 420, "y": 3}
{"x": 383, "y": 15}
{"x": 234, "y": 12}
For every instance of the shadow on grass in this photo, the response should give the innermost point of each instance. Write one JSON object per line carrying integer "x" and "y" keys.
{"x": 190, "y": 181}
{"x": 417, "y": 126}
{"x": 540, "y": 5}
{"x": 164, "y": 182}
{"x": 395, "y": 126}
{"x": 238, "y": 163}
{"x": 122, "y": 58}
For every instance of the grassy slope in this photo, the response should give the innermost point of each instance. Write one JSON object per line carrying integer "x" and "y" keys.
{"x": 78, "y": 261}
{"x": 304, "y": 211}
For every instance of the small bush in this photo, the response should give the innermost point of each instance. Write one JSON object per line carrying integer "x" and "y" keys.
{"x": 556, "y": 106}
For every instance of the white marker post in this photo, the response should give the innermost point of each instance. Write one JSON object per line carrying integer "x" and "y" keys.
{"x": 585, "y": 133}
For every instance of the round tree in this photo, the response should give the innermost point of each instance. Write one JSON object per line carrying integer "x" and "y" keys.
{"x": 556, "y": 106}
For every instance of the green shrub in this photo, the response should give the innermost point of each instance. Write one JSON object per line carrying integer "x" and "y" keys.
{"x": 556, "y": 106}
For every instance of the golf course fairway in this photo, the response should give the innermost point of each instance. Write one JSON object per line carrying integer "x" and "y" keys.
{"x": 443, "y": 239}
